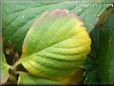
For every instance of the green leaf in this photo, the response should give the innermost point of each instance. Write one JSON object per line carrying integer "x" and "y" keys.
{"x": 4, "y": 67}
{"x": 91, "y": 77}
{"x": 18, "y": 16}
{"x": 54, "y": 48}
{"x": 25, "y": 79}
{"x": 105, "y": 58}
{"x": 102, "y": 52}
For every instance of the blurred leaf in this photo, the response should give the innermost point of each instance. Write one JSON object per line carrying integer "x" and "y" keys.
{"x": 91, "y": 77}
{"x": 4, "y": 67}
{"x": 18, "y": 15}
{"x": 102, "y": 53}
{"x": 105, "y": 59}
{"x": 25, "y": 79}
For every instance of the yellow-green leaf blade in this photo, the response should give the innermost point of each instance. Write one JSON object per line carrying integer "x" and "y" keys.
{"x": 59, "y": 48}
